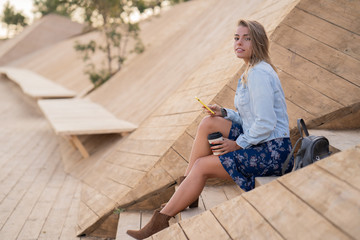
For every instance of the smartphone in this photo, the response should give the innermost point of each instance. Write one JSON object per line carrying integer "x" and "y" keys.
{"x": 204, "y": 105}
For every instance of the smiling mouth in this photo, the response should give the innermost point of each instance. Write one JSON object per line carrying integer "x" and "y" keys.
{"x": 239, "y": 50}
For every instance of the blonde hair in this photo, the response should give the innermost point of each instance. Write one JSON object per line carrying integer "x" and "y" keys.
{"x": 259, "y": 45}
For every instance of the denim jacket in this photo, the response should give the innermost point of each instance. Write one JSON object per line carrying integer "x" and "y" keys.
{"x": 261, "y": 107}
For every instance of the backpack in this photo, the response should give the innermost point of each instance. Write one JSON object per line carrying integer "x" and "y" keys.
{"x": 312, "y": 149}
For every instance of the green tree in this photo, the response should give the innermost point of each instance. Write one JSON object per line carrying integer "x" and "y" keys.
{"x": 13, "y": 20}
{"x": 61, "y": 7}
{"x": 110, "y": 17}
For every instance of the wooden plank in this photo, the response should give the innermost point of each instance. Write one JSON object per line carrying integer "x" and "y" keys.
{"x": 183, "y": 146}
{"x": 259, "y": 181}
{"x": 300, "y": 94}
{"x": 53, "y": 225}
{"x": 132, "y": 160}
{"x": 111, "y": 189}
{"x": 232, "y": 190}
{"x": 157, "y": 178}
{"x": 334, "y": 199}
{"x": 39, "y": 214}
{"x": 75, "y": 140}
{"x": 344, "y": 165}
{"x": 314, "y": 76}
{"x": 85, "y": 215}
{"x": 319, "y": 53}
{"x": 289, "y": 215}
{"x": 340, "y": 139}
{"x": 174, "y": 164}
{"x": 127, "y": 221}
{"x": 206, "y": 227}
{"x": 158, "y": 133}
{"x": 344, "y": 13}
{"x": 243, "y": 221}
{"x": 69, "y": 230}
{"x": 225, "y": 97}
{"x": 191, "y": 212}
{"x": 144, "y": 147}
{"x": 14, "y": 170}
{"x": 145, "y": 218}
{"x": 37, "y": 181}
{"x": 79, "y": 116}
{"x": 295, "y": 112}
{"x": 344, "y": 40}
{"x": 21, "y": 187}
{"x": 121, "y": 175}
{"x": 174, "y": 232}
{"x": 35, "y": 85}
{"x": 96, "y": 201}
{"x": 161, "y": 119}
{"x": 212, "y": 196}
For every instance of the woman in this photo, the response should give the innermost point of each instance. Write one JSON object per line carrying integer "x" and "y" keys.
{"x": 256, "y": 136}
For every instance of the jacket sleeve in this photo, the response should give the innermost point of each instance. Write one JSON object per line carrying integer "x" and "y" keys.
{"x": 261, "y": 95}
{"x": 233, "y": 116}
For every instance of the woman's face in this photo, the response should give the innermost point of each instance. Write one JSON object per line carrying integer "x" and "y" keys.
{"x": 242, "y": 43}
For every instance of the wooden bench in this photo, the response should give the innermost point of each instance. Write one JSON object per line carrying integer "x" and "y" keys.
{"x": 72, "y": 117}
{"x": 35, "y": 85}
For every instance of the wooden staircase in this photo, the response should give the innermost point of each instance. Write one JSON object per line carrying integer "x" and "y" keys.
{"x": 209, "y": 198}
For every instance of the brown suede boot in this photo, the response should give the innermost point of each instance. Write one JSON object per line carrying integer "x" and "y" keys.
{"x": 157, "y": 223}
{"x": 178, "y": 182}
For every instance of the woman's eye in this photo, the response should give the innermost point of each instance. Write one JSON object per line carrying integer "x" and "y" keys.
{"x": 236, "y": 38}
{"x": 247, "y": 39}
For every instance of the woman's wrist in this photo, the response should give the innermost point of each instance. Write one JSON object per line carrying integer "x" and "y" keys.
{"x": 223, "y": 112}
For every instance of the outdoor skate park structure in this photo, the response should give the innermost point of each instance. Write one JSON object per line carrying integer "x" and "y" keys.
{"x": 66, "y": 174}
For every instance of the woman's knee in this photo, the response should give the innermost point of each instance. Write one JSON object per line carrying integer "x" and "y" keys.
{"x": 208, "y": 123}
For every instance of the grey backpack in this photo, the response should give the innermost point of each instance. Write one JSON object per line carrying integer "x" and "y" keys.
{"x": 312, "y": 149}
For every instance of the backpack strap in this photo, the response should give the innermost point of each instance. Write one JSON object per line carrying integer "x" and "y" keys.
{"x": 286, "y": 163}
{"x": 302, "y": 127}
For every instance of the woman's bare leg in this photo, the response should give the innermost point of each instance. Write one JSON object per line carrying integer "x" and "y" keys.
{"x": 201, "y": 146}
{"x": 192, "y": 186}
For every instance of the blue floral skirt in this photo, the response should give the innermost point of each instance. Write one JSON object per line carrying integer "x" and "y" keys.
{"x": 264, "y": 159}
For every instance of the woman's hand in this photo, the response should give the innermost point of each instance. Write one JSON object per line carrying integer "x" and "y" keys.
{"x": 225, "y": 146}
{"x": 216, "y": 109}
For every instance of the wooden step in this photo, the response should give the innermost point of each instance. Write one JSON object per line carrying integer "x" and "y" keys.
{"x": 340, "y": 139}
{"x": 209, "y": 198}
{"x": 131, "y": 220}
{"x": 259, "y": 181}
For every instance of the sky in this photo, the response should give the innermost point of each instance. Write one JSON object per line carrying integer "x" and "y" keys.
{"x": 26, "y": 8}
{"x": 23, "y": 6}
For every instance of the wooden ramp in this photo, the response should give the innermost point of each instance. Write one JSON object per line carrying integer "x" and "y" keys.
{"x": 306, "y": 78}
{"x": 44, "y": 32}
{"x": 35, "y": 85}
{"x": 316, "y": 49}
{"x": 320, "y": 201}
{"x": 144, "y": 164}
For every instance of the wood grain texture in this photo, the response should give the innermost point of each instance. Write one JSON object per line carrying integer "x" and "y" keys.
{"x": 337, "y": 201}
{"x": 35, "y": 85}
{"x": 286, "y": 212}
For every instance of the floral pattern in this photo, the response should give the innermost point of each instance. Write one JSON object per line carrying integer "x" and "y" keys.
{"x": 264, "y": 159}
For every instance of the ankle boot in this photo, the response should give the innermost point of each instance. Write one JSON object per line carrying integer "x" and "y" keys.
{"x": 192, "y": 205}
{"x": 157, "y": 223}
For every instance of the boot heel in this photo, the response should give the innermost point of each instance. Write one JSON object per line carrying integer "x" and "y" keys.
{"x": 195, "y": 204}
